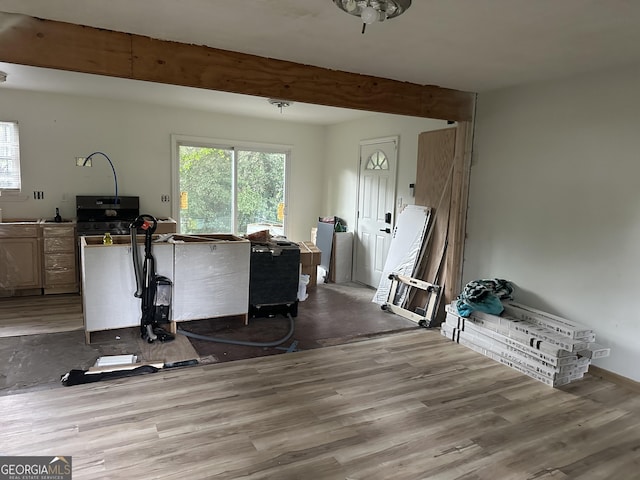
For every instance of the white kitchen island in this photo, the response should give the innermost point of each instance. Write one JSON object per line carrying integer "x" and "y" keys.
{"x": 210, "y": 277}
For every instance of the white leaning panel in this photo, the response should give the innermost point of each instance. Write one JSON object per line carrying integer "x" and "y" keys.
{"x": 404, "y": 251}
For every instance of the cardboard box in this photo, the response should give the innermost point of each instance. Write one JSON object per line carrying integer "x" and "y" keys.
{"x": 552, "y": 382}
{"x": 488, "y": 337}
{"x": 515, "y": 356}
{"x": 594, "y": 351}
{"x": 560, "y": 325}
{"x": 312, "y": 271}
{"x": 310, "y": 256}
{"x": 166, "y": 225}
{"x": 534, "y": 332}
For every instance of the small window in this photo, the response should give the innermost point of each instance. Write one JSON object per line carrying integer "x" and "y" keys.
{"x": 377, "y": 161}
{"x": 9, "y": 156}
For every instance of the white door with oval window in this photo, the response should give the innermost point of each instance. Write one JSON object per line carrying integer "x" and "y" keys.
{"x": 376, "y": 201}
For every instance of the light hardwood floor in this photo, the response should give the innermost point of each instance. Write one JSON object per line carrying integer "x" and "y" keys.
{"x": 31, "y": 315}
{"x": 406, "y": 406}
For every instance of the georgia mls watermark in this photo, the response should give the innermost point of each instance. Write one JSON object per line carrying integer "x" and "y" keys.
{"x": 35, "y": 468}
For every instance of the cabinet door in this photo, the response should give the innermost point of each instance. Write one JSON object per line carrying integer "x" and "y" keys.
{"x": 20, "y": 263}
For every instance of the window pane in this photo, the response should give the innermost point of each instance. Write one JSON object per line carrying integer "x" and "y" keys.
{"x": 205, "y": 190}
{"x": 377, "y": 161}
{"x": 260, "y": 200}
{"x": 9, "y": 156}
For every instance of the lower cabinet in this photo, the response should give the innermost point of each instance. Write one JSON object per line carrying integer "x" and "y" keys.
{"x": 20, "y": 262}
{"x": 59, "y": 267}
{"x": 109, "y": 283}
{"x": 210, "y": 275}
{"x": 38, "y": 257}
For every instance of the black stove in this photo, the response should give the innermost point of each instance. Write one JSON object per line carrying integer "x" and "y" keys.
{"x": 97, "y": 215}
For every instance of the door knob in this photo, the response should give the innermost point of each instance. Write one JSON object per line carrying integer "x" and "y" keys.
{"x": 386, "y": 230}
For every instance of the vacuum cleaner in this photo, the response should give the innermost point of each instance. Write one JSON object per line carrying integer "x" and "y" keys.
{"x": 153, "y": 290}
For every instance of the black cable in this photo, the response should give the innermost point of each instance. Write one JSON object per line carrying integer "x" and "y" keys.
{"x": 275, "y": 343}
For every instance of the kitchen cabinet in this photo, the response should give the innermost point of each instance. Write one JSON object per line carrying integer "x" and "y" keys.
{"x": 20, "y": 258}
{"x": 60, "y": 273}
{"x": 109, "y": 283}
{"x": 211, "y": 277}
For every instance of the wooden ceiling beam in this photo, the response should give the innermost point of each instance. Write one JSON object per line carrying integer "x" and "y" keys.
{"x": 45, "y": 43}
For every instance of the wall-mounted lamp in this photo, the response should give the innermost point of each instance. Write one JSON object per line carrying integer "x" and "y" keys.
{"x": 86, "y": 162}
{"x": 3, "y": 77}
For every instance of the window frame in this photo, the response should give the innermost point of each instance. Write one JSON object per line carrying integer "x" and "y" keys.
{"x": 16, "y": 187}
{"x": 206, "y": 142}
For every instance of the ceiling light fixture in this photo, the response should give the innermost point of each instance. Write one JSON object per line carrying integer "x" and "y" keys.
{"x": 280, "y": 103}
{"x": 371, "y": 11}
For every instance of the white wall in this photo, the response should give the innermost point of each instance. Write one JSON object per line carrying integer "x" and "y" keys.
{"x": 342, "y": 156}
{"x": 555, "y": 202}
{"x": 54, "y": 129}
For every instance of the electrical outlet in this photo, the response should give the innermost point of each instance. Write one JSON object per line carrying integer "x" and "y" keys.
{"x": 38, "y": 195}
{"x": 165, "y": 198}
{"x": 83, "y": 162}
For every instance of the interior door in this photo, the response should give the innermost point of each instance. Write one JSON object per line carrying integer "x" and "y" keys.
{"x": 376, "y": 201}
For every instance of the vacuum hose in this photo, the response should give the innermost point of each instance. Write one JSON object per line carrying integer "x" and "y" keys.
{"x": 242, "y": 342}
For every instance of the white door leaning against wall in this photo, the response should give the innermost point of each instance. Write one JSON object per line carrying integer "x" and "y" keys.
{"x": 376, "y": 200}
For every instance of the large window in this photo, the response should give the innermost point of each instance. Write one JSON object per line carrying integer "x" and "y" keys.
{"x": 230, "y": 189}
{"x": 9, "y": 156}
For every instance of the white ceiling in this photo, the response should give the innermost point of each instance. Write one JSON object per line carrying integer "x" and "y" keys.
{"x": 471, "y": 45}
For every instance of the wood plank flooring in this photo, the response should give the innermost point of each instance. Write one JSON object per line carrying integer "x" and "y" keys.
{"x": 32, "y": 315}
{"x": 410, "y": 405}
